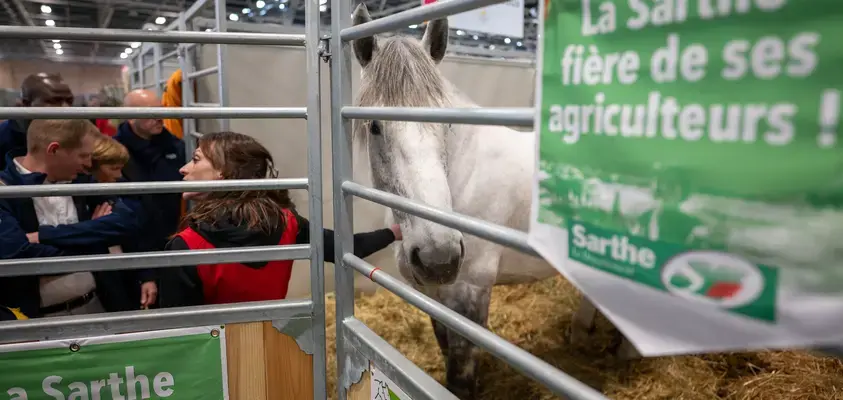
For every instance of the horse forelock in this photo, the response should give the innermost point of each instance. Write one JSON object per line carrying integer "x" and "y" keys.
{"x": 403, "y": 75}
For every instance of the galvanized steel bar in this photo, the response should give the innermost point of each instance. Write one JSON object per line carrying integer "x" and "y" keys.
{"x": 194, "y": 9}
{"x": 80, "y": 326}
{"x": 157, "y": 72}
{"x": 502, "y": 235}
{"x": 167, "y": 56}
{"x": 341, "y": 96}
{"x": 186, "y": 66}
{"x": 137, "y": 35}
{"x": 410, "y": 378}
{"x": 314, "y": 205}
{"x": 205, "y": 105}
{"x": 413, "y": 16}
{"x": 470, "y": 116}
{"x": 203, "y": 72}
{"x": 557, "y": 381}
{"x": 150, "y": 112}
{"x": 222, "y": 50}
{"x": 124, "y": 188}
{"x": 155, "y": 259}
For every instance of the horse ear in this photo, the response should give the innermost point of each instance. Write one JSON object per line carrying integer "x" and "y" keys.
{"x": 435, "y": 39}
{"x": 364, "y": 48}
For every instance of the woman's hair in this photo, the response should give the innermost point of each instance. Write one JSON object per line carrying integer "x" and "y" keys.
{"x": 238, "y": 156}
{"x": 108, "y": 151}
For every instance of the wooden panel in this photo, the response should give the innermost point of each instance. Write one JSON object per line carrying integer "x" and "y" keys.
{"x": 289, "y": 370}
{"x": 245, "y": 351}
{"x": 361, "y": 390}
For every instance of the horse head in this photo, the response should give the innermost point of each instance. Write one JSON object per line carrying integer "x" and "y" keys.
{"x": 410, "y": 159}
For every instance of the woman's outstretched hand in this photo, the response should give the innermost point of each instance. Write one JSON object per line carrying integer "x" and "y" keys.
{"x": 396, "y": 230}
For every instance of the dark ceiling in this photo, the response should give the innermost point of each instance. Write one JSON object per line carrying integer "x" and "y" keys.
{"x": 128, "y": 14}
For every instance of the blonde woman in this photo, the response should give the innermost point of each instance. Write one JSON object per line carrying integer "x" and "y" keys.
{"x": 107, "y": 162}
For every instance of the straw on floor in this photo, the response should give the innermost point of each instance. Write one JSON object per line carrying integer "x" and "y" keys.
{"x": 534, "y": 316}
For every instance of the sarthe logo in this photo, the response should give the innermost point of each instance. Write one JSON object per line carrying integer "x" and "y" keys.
{"x": 715, "y": 278}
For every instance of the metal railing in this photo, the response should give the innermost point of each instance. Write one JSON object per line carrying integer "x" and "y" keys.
{"x": 312, "y": 309}
{"x": 352, "y": 335}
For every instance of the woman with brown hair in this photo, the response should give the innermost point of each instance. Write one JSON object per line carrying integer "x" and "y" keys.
{"x": 240, "y": 219}
{"x": 107, "y": 162}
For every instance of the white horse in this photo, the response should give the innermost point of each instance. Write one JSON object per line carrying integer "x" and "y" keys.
{"x": 481, "y": 171}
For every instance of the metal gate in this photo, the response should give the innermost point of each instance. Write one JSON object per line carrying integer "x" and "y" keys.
{"x": 357, "y": 345}
{"x": 282, "y": 311}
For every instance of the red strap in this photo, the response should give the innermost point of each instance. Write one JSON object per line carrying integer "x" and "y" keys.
{"x": 194, "y": 240}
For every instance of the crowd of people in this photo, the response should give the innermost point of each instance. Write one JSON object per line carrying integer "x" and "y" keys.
{"x": 55, "y": 151}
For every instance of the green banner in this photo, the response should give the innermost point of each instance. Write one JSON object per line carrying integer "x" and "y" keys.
{"x": 690, "y": 147}
{"x": 177, "y": 364}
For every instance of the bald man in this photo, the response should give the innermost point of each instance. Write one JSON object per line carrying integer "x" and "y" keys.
{"x": 155, "y": 155}
{"x": 37, "y": 90}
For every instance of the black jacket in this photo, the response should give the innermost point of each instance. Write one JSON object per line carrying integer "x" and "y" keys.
{"x": 155, "y": 160}
{"x": 179, "y": 287}
{"x": 12, "y": 137}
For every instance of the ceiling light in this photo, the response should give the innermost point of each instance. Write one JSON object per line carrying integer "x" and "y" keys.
{"x": 50, "y": 22}
{"x": 234, "y": 17}
{"x": 413, "y": 26}
{"x": 491, "y": 47}
{"x": 123, "y": 55}
{"x": 59, "y": 51}
{"x": 474, "y": 37}
{"x": 135, "y": 45}
{"x": 460, "y": 32}
{"x": 260, "y": 4}
{"x": 56, "y": 46}
{"x": 323, "y": 2}
{"x": 507, "y": 40}
{"x": 282, "y": 6}
{"x": 128, "y": 50}
{"x": 519, "y": 44}
{"x": 46, "y": 9}
{"x": 56, "y": 40}
{"x": 323, "y": 8}
{"x": 160, "y": 20}
{"x": 246, "y": 11}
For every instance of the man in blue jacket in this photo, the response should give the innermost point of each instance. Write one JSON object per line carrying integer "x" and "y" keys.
{"x": 59, "y": 151}
{"x": 154, "y": 155}
{"x": 37, "y": 90}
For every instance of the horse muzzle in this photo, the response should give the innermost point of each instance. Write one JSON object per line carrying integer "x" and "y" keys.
{"x": 436, "y": 265}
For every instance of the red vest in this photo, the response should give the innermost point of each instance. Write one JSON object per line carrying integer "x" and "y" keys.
{"x": 235, "y": 283}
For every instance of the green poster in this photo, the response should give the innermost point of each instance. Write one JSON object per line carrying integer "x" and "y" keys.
{"x": 690, "y": 148}
{"x": 177, "y": 364}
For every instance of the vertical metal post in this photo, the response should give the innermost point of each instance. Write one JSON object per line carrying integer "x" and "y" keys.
{"x": 221, "y": 56}
{"x": 341, "y": 169}
{"x": 157, "y": 65}
{"x": 314, "y": 179}
{"x": 186, "y": 66}
{"x": 140, "y": 69}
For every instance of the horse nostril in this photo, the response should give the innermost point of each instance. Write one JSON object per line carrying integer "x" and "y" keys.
{"x": 415, "y": 259}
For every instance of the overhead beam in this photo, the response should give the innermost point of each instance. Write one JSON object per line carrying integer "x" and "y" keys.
{"x": 24, "y": 13}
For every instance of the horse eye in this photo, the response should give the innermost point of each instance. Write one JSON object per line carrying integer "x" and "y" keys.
{"x": 375, "y": 128}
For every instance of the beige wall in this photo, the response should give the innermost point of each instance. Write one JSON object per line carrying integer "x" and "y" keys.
{"x": 82, "y": 78}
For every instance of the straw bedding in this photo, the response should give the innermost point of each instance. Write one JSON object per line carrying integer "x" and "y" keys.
{"x": 534, "y": 316}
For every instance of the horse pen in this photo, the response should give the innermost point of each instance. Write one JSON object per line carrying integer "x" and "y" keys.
{"x": 532, "y": 316}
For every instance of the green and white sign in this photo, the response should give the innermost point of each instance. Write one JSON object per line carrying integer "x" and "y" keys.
{"x": 690, "y": 176}
{"x": 178, "y": 364}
